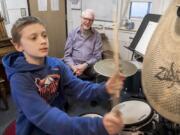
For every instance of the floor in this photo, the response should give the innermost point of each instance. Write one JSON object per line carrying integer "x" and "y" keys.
{"x": 7, "y": 116}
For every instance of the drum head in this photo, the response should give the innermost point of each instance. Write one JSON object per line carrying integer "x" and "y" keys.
{"x": 92, "y": 115}
{"x": 134, "y": 112}
{"x": 107, "y": 68}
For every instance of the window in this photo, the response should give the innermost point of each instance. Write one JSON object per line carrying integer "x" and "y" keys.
{"x": 138, "y": 9}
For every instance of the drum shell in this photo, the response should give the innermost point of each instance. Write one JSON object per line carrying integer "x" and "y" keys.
{"x": 132, "y": 87}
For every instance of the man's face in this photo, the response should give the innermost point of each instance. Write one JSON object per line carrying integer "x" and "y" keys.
{"x": 86, "y": 22}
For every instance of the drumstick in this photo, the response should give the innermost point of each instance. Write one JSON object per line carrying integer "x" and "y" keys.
{"x": 116, "y": 50}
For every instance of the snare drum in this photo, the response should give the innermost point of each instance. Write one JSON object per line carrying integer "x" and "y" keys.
{"x": 136, "y": 114}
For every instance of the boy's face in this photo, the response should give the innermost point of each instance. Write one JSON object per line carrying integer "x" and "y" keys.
{"x": 34, "y": 42}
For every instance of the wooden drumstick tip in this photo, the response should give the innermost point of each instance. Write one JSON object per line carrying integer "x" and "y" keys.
{"x": 115, "y": 101}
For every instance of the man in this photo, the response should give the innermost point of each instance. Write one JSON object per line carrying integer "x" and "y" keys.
{"x": 83, "y": 47}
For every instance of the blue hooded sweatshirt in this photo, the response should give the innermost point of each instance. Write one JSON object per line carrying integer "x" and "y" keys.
{"x": 39, "y": 94}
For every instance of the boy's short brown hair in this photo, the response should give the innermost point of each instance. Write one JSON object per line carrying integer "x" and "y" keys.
{"x": 20, "y": 24}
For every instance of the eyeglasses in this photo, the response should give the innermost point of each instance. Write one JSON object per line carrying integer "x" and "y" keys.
{"x": 88, "y": 19}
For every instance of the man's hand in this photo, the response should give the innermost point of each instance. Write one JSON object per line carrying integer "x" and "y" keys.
{"x": 113, "y": 123}
{"x": 74, "y": 68}
{"x": 81, "y": 68}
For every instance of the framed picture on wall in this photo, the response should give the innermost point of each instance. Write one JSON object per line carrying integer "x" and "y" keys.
{"x": 75, "y": 4}
{"x": 3, "y": 11}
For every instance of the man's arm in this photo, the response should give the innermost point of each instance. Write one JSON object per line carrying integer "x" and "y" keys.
{"x": 68, "y": 50}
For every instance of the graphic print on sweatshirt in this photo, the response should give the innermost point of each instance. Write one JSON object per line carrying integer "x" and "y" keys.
{"x": 47, "y": 87}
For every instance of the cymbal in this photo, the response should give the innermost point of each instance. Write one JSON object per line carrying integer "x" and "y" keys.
{"x": 161, "y": 66}
{"x": 107, "y": 68}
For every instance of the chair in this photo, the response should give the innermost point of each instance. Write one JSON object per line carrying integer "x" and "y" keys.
{"x": 107, "y": 52}
{"x": 10, "y": 129}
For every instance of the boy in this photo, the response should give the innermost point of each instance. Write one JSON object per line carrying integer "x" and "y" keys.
{"x": 39, "y": 84}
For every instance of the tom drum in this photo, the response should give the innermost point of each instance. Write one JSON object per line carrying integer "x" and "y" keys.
{"x": 137, "y": 115}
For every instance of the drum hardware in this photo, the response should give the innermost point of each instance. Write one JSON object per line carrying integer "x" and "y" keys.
{"x": 169, "y": 127}
{"x": 161, "y": 66}
{"x": 140, "y": 94}
{"x": 125, "y": 91}
{"x": 127, "y": 94}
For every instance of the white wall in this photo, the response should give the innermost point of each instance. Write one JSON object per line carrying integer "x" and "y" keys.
{"x": 73, "y": 15}
{"x": 158, "y": 7}
{"x": 14, "y": 12}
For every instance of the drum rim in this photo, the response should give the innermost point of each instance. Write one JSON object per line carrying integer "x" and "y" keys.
{"x": 140, "y": 122}
{"x": 90, "y": 113}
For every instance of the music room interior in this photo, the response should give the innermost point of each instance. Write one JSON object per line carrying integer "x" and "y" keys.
{"x": 139, "y": 42}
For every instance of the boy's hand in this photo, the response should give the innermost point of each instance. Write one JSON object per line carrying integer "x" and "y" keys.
{"x": 113, "y": 123}
{"x": 115, "y": 84}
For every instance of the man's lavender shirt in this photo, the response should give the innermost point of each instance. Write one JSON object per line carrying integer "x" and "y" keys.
{"x": 80, "y": 49}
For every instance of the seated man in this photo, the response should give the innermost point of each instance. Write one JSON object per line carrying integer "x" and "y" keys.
{"x": 83, "y": 47}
